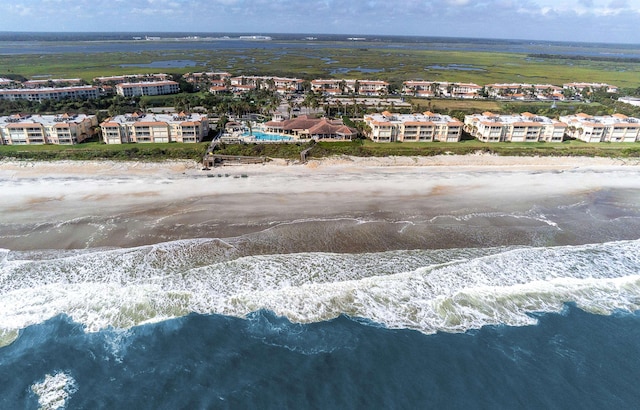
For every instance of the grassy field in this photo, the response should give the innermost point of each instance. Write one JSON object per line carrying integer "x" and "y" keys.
{"x": 392, "y": 64}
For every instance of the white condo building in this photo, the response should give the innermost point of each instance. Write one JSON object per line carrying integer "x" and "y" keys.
{"x": 142, "y": 128}
{"x": 428, "y": 89}
{"x": 130, "y": 78}
{"x": 582, "y": 88}
{"x": 525, "y": 127}
{"x": 147, "y": 88}
{"x": 53, "y": 82}
{"x": 635, "y": 101}
{"x": 50, "y": 93}
{"x": 282, "y": 85}
{"x": 360, "y": 87}
{"x": 215, "y": 78}
{"x": 46, "y": 129}
{"x": 389, "y": 127}
{"x": 610, "y": 128}
{"x": 522, "y": 91}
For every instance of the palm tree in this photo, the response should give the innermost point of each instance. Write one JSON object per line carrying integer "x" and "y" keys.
{"x": 143, "y": 105}
{"x": 271, "y": 84}
{"x": 343, "y": 86}
{"x": 435, "y": 89}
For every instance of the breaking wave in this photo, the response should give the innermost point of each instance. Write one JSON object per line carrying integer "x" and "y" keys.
{"x": 449, "y": 290}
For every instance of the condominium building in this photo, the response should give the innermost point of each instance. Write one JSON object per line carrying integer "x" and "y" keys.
{"x": 368, "y": 87}
{"x": 465, "y": 90}
{"x": 525, "y": 127}
{"x": 428, "y": 89}
{"x": 425, "y": 89}
{"x": 388, "y": 127}
{"x": 548, "y": 92}
{"x": 130, "y": 78}
{"x": 610, "y": 128}
{"x": 635, "y": 101}
{"x": 46, "y": 129}
{"x": 360, "y": 87}
{"x": 282, "y": 85}
{"x": 328, "y": 86}
{"x": 196, "y": 78}
{"x": 53, "y": 82}
{"x": 215, "y": 82}
{"x": 586, "y": 88}
{"x": 147, "y": 88}
{"x": 142, "y": 128}
{"x": 218, "y": 89}
{"x": 242, "y": 88}
{"x": 49, "y": 93}
{"x": 522, "y": 91}
{"x": 514, "y": 91}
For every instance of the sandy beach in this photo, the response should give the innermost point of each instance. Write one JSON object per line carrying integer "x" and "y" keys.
{"x": 36, "y": 168}
{"x": 499, "y": 200}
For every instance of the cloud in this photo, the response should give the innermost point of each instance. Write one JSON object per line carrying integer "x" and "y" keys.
{"x": 606, "y": 20}
{"x": 20, "y": 10}
{"x": 618, "y": 4}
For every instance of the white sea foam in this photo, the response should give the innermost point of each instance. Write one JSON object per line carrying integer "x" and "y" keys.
{"x": 54, "y": 391}
{"x": 431, "y": 290}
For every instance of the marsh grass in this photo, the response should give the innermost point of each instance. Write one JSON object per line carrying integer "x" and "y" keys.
{"x": 394, "y": 64}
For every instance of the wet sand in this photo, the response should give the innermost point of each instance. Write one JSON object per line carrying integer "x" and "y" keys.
{"x": 340, "y": 204}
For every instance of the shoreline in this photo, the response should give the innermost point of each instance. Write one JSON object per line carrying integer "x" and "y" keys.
{"x": 440, "y": 162}
{"x": 87, "y": 204}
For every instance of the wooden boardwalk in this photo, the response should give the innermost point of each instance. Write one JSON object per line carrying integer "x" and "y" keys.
{"x": 215, "y": 160}
{"x": 303, "y": 154}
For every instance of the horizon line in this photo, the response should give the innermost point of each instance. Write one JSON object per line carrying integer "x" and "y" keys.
{"x": 316, "y": 34}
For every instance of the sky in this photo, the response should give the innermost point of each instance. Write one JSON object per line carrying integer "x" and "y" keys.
{"x": 613, "y": 21}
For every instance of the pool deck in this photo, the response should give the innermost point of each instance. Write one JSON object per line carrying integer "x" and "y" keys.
{"x": 258, "y": 136}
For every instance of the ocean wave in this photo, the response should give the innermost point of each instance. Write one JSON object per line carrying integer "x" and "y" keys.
{"x": 428, "y": 290}
{"x": 54, "y": 391}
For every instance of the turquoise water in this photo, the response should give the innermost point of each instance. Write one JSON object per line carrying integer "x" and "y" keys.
{"x": 261, "y": 136}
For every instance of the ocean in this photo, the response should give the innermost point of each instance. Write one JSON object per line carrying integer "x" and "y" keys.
{"x": 16, "y": 43}
{"x": 329, "y": 287}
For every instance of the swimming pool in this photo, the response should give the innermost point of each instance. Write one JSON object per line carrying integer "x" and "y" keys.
{"x": 261, "y": 136}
